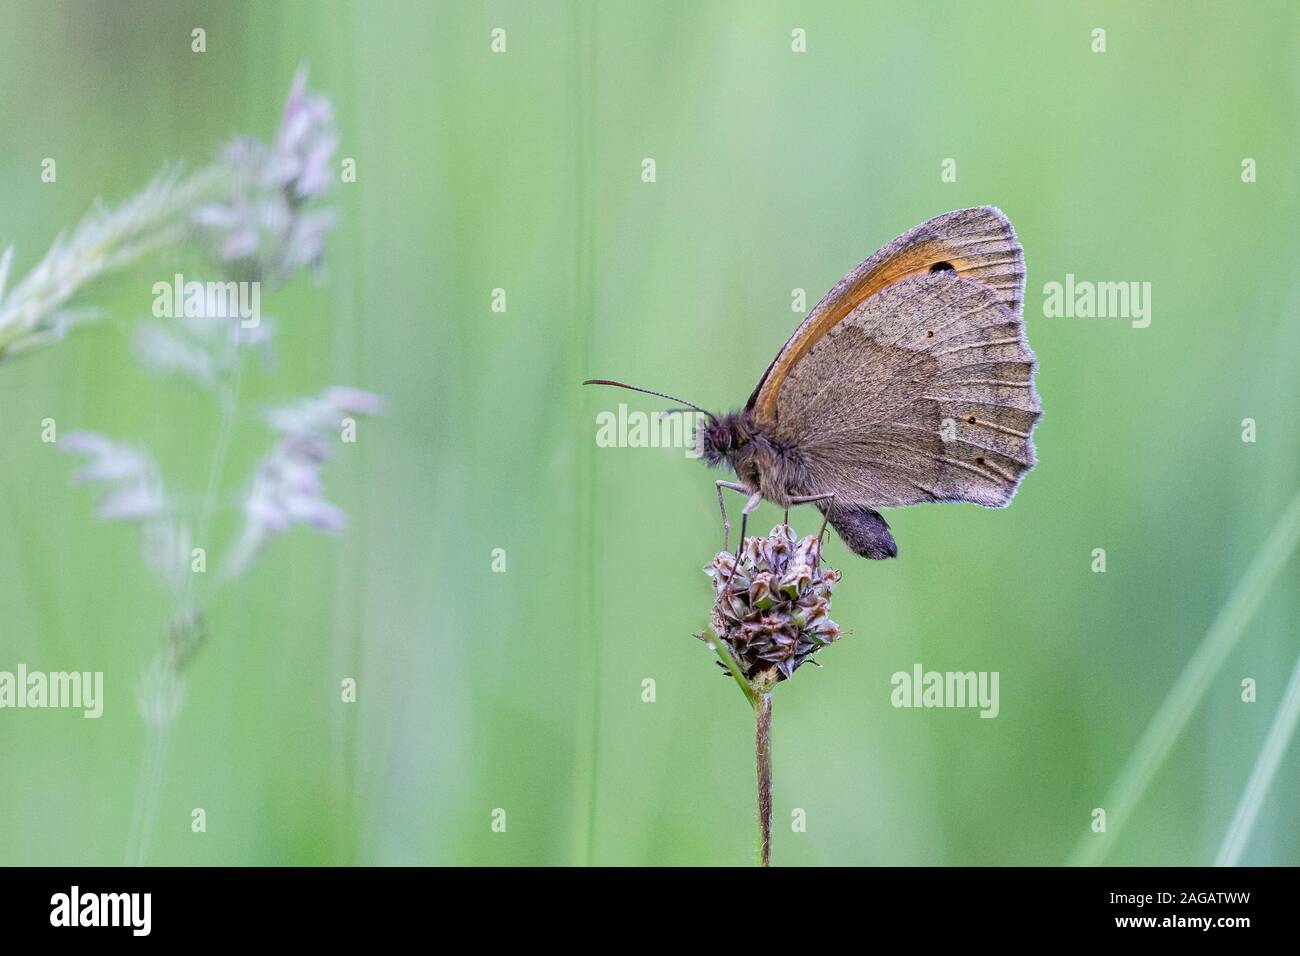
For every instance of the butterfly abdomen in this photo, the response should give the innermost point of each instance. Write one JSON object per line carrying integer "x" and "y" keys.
{"x": 863, "y": 530}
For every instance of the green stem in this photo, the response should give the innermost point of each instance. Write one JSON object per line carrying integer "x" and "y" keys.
{"x": 229, "y": 403}
{"x": 176, "y": 657}
{"x": 157, "y": 745}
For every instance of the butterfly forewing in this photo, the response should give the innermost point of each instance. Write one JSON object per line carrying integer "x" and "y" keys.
{"x": 976, "y": 243}
{"x": 922, "y": 392}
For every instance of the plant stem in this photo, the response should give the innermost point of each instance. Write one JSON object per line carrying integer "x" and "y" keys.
{"x": 228, "y": 396}
{"x": 763, "y": 753}
{"x": 161, "y": 721}
{"x": 158, "y": 739}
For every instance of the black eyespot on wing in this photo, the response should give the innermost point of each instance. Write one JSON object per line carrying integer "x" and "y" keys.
{"x": 941, "y": 267}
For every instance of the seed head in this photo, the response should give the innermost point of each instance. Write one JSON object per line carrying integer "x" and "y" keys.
{"x": 773, "y": 602}
{"x": 266, "y": 227}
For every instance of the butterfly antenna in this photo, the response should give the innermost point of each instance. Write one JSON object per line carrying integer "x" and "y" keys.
{"x": 647, "y": 391}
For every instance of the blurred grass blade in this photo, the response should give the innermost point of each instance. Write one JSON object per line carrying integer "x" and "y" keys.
{"x": 586, "y": 776}
{"x": 1181, "y": 702}
{"x": 1261, "y": 777}
{"x": 106, "y": 238}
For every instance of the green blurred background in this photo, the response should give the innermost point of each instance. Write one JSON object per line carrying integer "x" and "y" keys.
{"x": 775, "y": 170}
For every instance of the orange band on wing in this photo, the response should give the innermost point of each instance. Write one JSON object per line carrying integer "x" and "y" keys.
{"x": 914, "y": 260}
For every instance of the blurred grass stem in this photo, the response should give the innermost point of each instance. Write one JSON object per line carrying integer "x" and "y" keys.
{"x": 157, "y": 746}
{"x": 1261, "y": 777}
{"x": 1177, "y": 709}
{"x": 159, "y": 726}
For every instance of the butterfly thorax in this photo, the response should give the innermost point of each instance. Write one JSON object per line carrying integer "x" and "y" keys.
{"x": 761, "y": 462}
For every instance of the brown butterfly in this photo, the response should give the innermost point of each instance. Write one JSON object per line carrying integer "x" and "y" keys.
{"x": 910, "y": 381}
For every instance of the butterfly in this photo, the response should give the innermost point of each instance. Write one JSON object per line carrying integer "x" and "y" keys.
{"x": 911, "y": 381}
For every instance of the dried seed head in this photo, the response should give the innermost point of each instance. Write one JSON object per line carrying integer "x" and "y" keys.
{"x": 773, "y": 602}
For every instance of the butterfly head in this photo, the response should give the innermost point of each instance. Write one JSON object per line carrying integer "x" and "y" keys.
{"x": 725, "y": 437}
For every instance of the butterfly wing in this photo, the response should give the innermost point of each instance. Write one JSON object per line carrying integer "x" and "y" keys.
{"x": 924, "y": 392}
{"x": 977, "y": 244}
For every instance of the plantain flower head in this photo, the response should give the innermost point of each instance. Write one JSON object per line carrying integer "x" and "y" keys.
{"x": 772, "y": 604}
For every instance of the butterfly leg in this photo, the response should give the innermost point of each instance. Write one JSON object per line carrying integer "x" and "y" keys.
{"x": 722, "y": 506}
{"x": 804, "y": 499}
{"x": 750, "y": 507}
